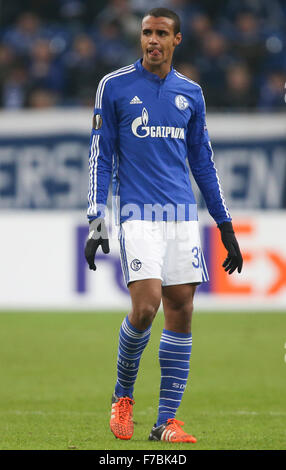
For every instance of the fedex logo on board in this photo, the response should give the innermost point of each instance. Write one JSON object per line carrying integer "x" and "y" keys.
{"x": 263, "y": 274}
{"x": 264, "y": 268}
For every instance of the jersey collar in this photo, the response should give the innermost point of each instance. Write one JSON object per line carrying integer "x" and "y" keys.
{"x": 150, "y": 75}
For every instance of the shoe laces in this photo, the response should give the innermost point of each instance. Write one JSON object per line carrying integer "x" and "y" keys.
{"x": 176, "y": 424}
{"x": 124, "y": 405}
{"x": 175, "y": 421}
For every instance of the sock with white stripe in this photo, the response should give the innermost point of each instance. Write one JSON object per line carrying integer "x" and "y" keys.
{"x": 174, "y": 357}
{"x": 132, "y": 343}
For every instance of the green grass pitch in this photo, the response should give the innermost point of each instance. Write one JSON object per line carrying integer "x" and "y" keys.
{"x": 58, "y": 373}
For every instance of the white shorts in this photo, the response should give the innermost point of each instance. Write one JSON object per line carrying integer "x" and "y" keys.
{"x": 170, "y": 251}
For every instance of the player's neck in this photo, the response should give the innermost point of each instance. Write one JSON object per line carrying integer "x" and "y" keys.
{"x": 161, "y": 70}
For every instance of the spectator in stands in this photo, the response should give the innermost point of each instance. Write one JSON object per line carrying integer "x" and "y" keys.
{"x": 185, "y": 9}
{"x": 42, "y": 98}
{"x": 47, "y": 10}
{"x": 267, "y": 13}
{"x": 120, "y": 12}
{"x": 15, "y": 87}
{"x": 45, "y": 73}
{"x": 239, "y": 93}
{"x": 273, "y": 92}
{"x": 114, "y": 51}
{"x": 65, "y": 42}
{"x": 7, "y": 60}
{"x": 141, "y": 6}
{"x": 197, "y": 28}
{"x": 275, "y": 43}
{"x": 84, "y": 69}
{"x": 212, "y": 62}
{"x": 79, "y": 12}
{"x": 24, "y": 33}
{"x": 247, "y": 40}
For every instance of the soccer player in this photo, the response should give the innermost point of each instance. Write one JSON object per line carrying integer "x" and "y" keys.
{"x": 149, "y": 121}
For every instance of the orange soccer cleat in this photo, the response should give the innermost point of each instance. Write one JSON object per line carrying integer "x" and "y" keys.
{"x": 171, "y": 431}
{"x": 121, "y": 421}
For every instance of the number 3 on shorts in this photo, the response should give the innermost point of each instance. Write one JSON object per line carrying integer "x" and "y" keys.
{"x": 196, "y": 252}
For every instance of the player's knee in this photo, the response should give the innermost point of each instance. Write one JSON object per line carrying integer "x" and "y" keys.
{"x": 144, "y": 314}
{"x": 184, "y": 308}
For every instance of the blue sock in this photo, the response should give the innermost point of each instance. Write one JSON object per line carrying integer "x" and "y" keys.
{"x": 174, "y": 357}
{"x": 132, "y": 343}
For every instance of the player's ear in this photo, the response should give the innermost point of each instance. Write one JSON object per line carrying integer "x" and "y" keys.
{"x": 177, "y": 39}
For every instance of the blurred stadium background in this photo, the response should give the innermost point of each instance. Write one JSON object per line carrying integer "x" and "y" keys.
{"x": 54, "y": 389}
{"x": 52, "y": 56}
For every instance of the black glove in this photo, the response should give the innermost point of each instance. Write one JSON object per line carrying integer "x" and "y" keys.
{"x": 234, "y": 259}
{"x": 97, "y": 236}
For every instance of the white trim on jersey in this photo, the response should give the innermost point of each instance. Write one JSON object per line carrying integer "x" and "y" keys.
{"x": 95, "y": 141}
{"x": 183, "y": 77}
{"x": 92, "y": 172}
{"x": 218, "y": 182}
{"x": 104, "y": 80}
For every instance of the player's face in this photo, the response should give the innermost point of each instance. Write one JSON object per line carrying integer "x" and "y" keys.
{"x": 158, "y": 41}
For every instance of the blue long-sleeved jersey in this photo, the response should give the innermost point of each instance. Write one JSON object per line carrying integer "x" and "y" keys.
{"x": 145, "y": 129}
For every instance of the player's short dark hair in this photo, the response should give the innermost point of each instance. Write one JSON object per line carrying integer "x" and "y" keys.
{"x": 166, "y": 13}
